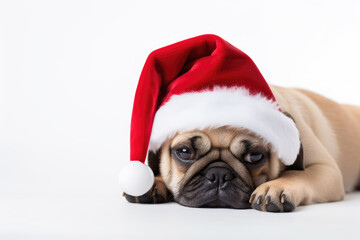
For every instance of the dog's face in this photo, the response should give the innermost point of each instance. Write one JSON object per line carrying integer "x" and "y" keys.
{"x": 217, "y": 167}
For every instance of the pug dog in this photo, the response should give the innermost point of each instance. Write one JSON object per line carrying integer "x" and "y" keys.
{"x": 235, "y": 168}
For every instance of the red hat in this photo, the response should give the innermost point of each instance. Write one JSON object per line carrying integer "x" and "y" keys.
{"x": 199, "y": 83}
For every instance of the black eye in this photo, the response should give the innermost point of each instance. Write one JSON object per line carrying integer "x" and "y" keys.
{"x": 185, "y": 153}
{"x": 254, "y": 157}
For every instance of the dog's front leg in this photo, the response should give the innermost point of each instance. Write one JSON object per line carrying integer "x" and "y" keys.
{"x": 316, "y": 184}
{"x": 321, "y": 181}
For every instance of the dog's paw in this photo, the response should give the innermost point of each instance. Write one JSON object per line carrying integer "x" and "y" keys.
{"x": 272, "y": 197}
{"x": 157, "y": 194}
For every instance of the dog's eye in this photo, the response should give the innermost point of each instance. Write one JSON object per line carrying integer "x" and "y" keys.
{"x": 185, "y": 153}
{"x": 253, "y": 157}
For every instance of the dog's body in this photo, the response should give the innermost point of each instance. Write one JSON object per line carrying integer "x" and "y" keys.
{"x": 227, "y": 167}
{"x": 330, "y": 134}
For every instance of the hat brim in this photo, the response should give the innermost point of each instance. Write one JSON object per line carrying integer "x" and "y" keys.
{"x": 234, "y": 107}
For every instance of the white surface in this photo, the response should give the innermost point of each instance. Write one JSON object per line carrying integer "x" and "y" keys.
{"x": 68, "y": 73}
{"x": 44, "y": 217}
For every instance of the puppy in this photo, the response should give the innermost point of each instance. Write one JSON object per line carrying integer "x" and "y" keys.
{"x": 235, "y": 168}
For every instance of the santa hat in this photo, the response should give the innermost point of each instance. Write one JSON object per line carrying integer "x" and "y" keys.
{"x": 202, "y": 82}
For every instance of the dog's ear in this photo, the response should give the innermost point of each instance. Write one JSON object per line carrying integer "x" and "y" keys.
{"x": 299, "y": 162}
{"x": 154, "y": 161}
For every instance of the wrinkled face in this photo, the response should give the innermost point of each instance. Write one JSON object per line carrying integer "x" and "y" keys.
{"x": 217, "y": 167}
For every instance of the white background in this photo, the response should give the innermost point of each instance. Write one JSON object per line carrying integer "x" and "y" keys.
{"x": 68, "y": 74}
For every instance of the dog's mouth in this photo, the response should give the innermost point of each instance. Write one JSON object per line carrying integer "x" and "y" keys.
{"x": 224, "y": 199}
{"x": 215, "y": 186}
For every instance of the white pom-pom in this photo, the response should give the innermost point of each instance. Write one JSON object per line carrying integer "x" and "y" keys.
{"x": 136, "y": 178}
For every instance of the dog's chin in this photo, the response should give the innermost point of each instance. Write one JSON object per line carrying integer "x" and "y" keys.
{"x": 215, "y": 198}
{"x": 230, "y": 196}
{"x": 220, "y": 204}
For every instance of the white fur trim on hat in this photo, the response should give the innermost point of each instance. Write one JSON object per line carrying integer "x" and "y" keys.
{"x": 227, "y": 107}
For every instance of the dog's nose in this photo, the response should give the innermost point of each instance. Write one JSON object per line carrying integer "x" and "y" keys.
{"x": 219, "y": 175}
